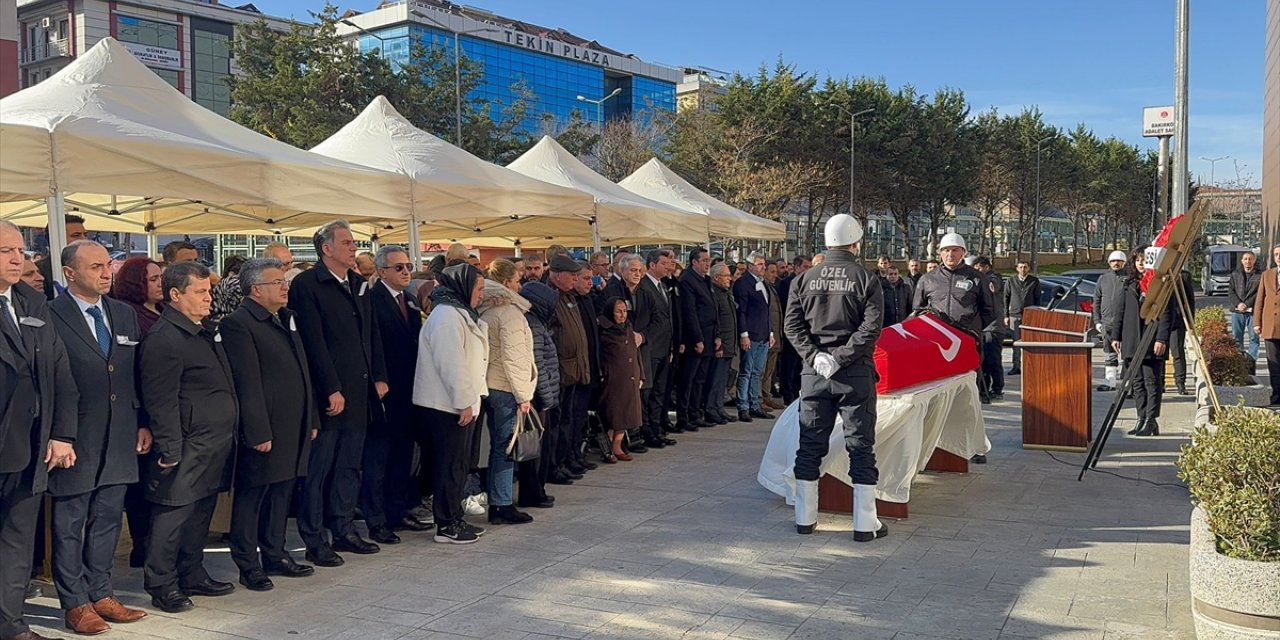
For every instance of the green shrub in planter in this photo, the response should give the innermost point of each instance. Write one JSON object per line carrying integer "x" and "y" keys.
{"x": 1234, "y": 475}
{"x": 1227, "y": 364}
{"x": 1212, "y": 320}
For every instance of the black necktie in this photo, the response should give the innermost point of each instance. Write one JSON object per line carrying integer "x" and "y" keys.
{"x": 7, "y": 320}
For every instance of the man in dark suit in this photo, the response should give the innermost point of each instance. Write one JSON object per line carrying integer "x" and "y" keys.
{"x": 278, "y": 419}
{"x": 698, "y": 330}
{"x": 388, "y": 447}
{"x": 38, "y": 401}
{"x": 344, "y": 351}
{"x": 190, "y": 402}
{"x": 789, "y": 363}
{"x": 101, "y": 336}
{"x": 775, "y": 318}
{"x": 653, "y": 320}
{"x": 755, "y": 337}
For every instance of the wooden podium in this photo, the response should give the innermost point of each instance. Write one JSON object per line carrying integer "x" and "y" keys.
{"x": 1057, "y": 379}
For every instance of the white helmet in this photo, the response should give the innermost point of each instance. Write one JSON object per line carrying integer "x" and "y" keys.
{"x": 1117, "y": 255}
{"x": 971, "y": 260}
{"x": 843, "y": 230}
{"x": 952, "y": 240}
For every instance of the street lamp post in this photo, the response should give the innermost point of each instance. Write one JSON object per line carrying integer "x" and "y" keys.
{"x": 600, "y": 105}
{"x": 457, "y": 68}
{"x": 1035, "y": 217}
{"x": 1213, "y": 165}
{"x": 853, "y": 117}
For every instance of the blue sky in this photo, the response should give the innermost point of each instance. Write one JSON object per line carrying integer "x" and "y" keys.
{"x": 1092, "y": 61}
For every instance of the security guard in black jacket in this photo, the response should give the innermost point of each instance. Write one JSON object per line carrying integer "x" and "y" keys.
{"x": 833, "y": 317}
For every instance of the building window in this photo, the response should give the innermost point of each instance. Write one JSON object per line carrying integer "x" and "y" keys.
{"x": 211, "y": 56}
{"x": 161, "y": 36}
{"x": 62, "y": 30}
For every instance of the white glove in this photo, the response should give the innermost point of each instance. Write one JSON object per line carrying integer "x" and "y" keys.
{"x": 825, "y": 365}
{"x": 1099, "y": 327}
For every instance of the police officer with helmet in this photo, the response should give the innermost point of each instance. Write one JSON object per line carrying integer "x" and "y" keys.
{"x": 962, "y": 295}
{"x": 833, "y": 317}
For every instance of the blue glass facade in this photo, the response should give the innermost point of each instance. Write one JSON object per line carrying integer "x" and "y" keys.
{"x": 554, "y": 83}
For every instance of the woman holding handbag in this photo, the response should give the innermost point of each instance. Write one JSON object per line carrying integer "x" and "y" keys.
{"x": 449, "y": 384}
{"x": 620, "y": 395}
{"x": 512, "y": 379}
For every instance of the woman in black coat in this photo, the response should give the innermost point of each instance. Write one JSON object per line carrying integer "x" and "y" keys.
{"x": 1125, "y": 335}
{"x": 620, "y": 394}
{"x": 542, "y": 300}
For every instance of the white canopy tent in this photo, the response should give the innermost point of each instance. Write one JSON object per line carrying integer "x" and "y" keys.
{"x": 456, "y": 195}
{"x": 112, "y": 140}
{"x": 621, "y": 217}
{"x": 656, "y": 181}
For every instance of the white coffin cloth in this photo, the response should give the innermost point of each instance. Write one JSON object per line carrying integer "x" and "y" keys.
{"x": 911, "y": 422}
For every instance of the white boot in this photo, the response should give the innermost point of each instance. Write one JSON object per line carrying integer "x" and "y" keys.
{"x": 1112, "y": 375}
{"x": 806, "y": 505}
{"x": 866, "y": 526}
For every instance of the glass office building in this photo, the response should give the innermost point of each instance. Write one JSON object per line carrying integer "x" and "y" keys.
{"x": 550, "y": 66}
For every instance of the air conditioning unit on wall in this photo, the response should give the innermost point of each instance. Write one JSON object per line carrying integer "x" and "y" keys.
{"x": 46, "y": 22}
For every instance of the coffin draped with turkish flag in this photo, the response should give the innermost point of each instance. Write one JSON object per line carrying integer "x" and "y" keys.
{"x": 921, "y": 349}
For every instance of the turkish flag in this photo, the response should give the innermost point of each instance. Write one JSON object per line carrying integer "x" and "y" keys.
{"x": 1155, "y": 253}
{"x": 921, "y": 349}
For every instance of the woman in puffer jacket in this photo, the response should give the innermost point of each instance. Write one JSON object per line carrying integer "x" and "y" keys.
{"x": 512, "y": 381}
{"x": 542, "y": 300}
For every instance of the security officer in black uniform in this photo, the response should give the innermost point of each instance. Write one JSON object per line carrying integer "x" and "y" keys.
{"x": 962, "y": 295}
{"x": 833, "y": 317}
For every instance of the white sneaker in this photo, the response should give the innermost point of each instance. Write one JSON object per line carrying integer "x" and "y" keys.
{"x": 471, "y": 506}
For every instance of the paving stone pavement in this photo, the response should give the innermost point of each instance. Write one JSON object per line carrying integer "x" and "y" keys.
{"x": 684, "y": 543}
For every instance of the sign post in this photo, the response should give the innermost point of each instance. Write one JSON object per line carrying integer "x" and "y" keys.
{"x": 1159, "y": 122}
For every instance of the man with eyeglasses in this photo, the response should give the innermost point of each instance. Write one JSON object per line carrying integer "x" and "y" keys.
{"x": 388, "y": 447}
{"x": 75, "y": 231}
{"x": 278, "y": 420}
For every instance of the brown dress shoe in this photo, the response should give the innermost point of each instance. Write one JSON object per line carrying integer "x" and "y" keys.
{"x": 29, "y": 635}
{"x": 112, "y": 610}
{"x": 85, "y": 621}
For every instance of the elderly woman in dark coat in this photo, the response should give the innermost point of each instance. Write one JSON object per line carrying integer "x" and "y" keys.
{"x": 1125, "y": 334}
{"x": 620, "y": 395}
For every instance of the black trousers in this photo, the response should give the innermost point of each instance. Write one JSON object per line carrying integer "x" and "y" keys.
{"x": 693, "y": 380}
{"x": 529, "y": 477}
{"x": 424, "y": 485}
{"x": 18, "y": 508}
{"x": 1273, "y": 366}
{"x": 992, "y": 371}
{"x": 451, "y": 443}
{"x": 259, "y": 516}
{"x": 654, "y": 397}
{"x": 1148, "y": 387}
{"x": 138, "y": 511}
{"x": 85, "y": 530}
{"x": 1178, "y": 352}
{"x": 385, "y": 481}
{"x": 332, "y": 486}
{"x": 852, "y": 393}
{"x": 574, "y": 401}
{"x": 175, "y": 552}
{"x": 789, "y": 366}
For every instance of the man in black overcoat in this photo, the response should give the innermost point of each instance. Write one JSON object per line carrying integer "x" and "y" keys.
{"x": 698, "y": 324}
{"x": 190, "y": 402}
{"x": 101, "y": 336}
{"x": 278, "y": 419}
{"x": 334, "y": 314}
{"x": 38, "y": 401}
{"x": 653, "y": 319}
{"x": 388, "y": 449}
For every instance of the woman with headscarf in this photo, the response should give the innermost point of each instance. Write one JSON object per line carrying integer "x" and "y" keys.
{"x": 620, "y": 393}
{"x": 449, "y": 384}
{"x": 512, "y": 380}
{"x": 1125, "y": 335}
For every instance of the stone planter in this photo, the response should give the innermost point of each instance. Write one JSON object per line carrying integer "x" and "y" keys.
{"x": 1231, "y": 599}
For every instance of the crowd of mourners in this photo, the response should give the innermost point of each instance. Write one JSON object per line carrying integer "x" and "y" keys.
{"x": 360, "y": 387}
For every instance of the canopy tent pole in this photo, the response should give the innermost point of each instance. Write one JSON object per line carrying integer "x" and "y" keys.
{"x": 57, "y": 215}
{"x": 415, "y": 243}
{"x": 153, "y": 248}
{"x": 517, "y": 248}
{"x": 595, "y": 228}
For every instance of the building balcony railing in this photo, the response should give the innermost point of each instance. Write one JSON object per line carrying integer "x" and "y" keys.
{"x": 45, "y": 51}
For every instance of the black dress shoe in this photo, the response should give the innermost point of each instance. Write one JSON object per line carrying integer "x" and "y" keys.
{"x": 383, "y": 535}
{"x": 668, "y": 441}
{"x": 559, "y": 478}
{"x": 1013, "y": 372}
{"x": 566, "y": 471}
{"x": 979, "y": 458}
{"x": 508, "y": 515}
{"x": 410, "y": 523}
{"x": 324, "y": 557}
{"x": 1182, "y": 389}
{"x": 654, "y": 443}
{"x": 33, "y": 590}
{"x": 636, "y": 447}
{"x": 576, "y": 471}
{"x": 1137, "y": 428}
{"x": 587, "y": 464}
{"x": 762, "y": 414}
{"x": 353, "y": 543}
{"x": 679, "y": 428}
{"x": 540, "y": 503}
{"x": 744, "y": 416}
{"x": 256, "y": 580}
{"x": 723, "y": 419}
{"x": 1105, "y": 387}
{"x": 208, "y": 587}
{"x": 289, "y": 569}
{"x": 172, "y": 602}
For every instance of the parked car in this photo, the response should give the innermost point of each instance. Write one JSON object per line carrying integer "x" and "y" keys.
{"x": 1090, "y": 275}
{"x": 1071, "y": 293}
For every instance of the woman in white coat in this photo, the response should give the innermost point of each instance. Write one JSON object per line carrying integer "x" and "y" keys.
{"x": 512, "y": 379}
{"x": 449, "y": 384}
